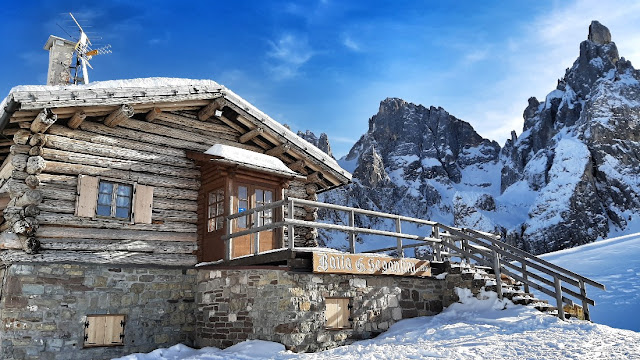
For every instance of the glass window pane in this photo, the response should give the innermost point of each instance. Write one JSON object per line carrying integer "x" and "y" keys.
{"x": 122, "y": 213}
{"x": 106, "y": 187}
{"x": 219, "y": 223}
{"x": 104, "y": 199}
{"x": 212, "y": 198}
{"x": 268, "y": 196}
{"x": 124, "y": 190}
{"x": 211, "y": 225}
{"x": 242, "y": 192}
{"x": 242, "y": 222}
{"x": 103, "y": 210}
{"x": 220, "y": 209}
{"x": 212, "y": 209}
{"x": 259, "y": 195}
{"x": 243, "y": 205}
{"x": 220, "y": 195}
{"x": 123, "y": 201}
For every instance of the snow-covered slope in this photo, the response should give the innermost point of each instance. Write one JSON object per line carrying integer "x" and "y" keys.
{"x": 614, "y": 262}
{"x": 571, "y": 177}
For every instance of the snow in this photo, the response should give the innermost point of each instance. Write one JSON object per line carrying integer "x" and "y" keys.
{"x": 250, "y": 158}
{"x": 474, "y": 328}
{"x": 615, "y": 263}
{"x": 125, "y": 83}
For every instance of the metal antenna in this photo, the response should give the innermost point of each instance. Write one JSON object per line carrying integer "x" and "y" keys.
{"x": 84, "y": 53}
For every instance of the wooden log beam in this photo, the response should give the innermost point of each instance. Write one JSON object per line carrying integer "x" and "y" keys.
{"x": 206, "y": 126}
{"x": 298, "y": 166}
{"x": 153, "y": 114}
{"x": 77, "y": 119}
{"x": 315, "y": 177}
{"x": 251, "y": 134}
{"x": 35, "y": 165}
{"x": 43, "y": 121}
{"x": 47, "y": 231}
{"x": 99, "y": 257}
{"x": 46, "y": 218}
{"x": 91, "y": 244}
{"x": 206, "y": 112}
{"x": 117, "y": 117}
{"x": 278, "y": 150}
{"x": 21, "y": 137}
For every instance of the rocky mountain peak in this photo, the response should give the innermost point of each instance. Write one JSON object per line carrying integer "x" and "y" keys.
{"x": 321, "y": 142}
{"x": 599, "y": 33}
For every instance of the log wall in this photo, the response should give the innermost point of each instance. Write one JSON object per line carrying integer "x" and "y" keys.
{"x": 43, "y": 188}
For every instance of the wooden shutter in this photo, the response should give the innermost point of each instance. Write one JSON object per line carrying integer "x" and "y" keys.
{"x": 114, "y": 330}
{"x": 143, "y": 204}
{"x": 104, "y": 330}
{"x": 337, "y": 313}
{"x": 87, "y": 196}
{"x": 94, "y": 331}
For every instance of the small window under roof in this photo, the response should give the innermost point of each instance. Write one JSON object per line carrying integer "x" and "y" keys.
{"x": 250, "y": 159}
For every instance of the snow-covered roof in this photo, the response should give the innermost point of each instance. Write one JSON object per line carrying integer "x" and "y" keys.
{"x": 152, "y": 91}
{"x": 250, "y": 159}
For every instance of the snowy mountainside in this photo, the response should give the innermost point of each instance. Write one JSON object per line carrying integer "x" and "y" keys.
{"x": 572, "y": 176}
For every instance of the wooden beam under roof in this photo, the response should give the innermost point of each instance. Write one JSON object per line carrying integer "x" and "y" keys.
{"x": 251, "y": 134}
{"x": 43, "y": 121}
{"x": 278, "y": 150}
{"x": 153, "y": 114}
{"x": 117, "y": 117}
{"x": 77, "y": 119}
{"x": 206, "y": 112}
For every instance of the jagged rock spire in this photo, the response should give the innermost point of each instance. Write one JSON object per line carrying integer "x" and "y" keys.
{"x": 599, "y": 33}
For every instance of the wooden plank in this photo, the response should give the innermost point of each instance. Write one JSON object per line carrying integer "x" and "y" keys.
{"x": 143, "y": 204}
{"x": 87, "y": 196}
{"x": 94, "y": 331}
{"x": 55, "y": 232}
{"x": 47, "y": 218}
{"x": 113, "y": 330}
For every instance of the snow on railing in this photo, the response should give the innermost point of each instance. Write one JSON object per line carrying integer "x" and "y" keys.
{"x": 447, "y": 242}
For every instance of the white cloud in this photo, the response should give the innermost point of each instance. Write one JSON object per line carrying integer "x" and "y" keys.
{"x": 350, "y": 44}
{"x": 288, "y": 54}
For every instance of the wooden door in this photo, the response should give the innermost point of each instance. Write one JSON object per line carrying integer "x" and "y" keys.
{"x": 248, "y": 196}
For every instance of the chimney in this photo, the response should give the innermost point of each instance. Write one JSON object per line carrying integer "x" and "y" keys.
{"x": 60, "y": 57}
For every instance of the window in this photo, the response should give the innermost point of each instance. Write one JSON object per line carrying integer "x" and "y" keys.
{"x": 104, "y": 330}
{"x": 337, "y": 313}
{"x": 264, "y": 197}
{"x": 243, "y": 205}
{"x": 215, "y": 217}
{"x": 114, "y": 200}
{"x": 107, "y": 198}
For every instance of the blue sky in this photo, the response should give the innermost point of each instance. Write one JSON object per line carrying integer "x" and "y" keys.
{"x": 326, "y": 65}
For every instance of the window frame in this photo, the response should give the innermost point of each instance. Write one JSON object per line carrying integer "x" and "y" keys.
{"x": 220, "y": 202}
{"x": 114, "y": 206}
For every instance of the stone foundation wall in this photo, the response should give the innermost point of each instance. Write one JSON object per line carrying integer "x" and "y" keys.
{"x": 43, "y": 308}
{"x": 287, "y": 307}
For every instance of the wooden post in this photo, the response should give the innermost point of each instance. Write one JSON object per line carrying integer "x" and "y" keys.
{"x": 153, "y": 114}
{"x": 464, "y": 245}
{"x": 256, "y": 236}
{"x": 281, "y": 229}
{"x": 290, "y": 230}
{"x": 399, "y": 239}
{"x": 585, "y": 304}
{"x": 352, "y": 234}
{"x": 496, "y": 271}
{"x": 437, "y": 246}
{"x": 229, "y": 241}
{"x": 525, "y": 276}
{"x": 556, "y": 281}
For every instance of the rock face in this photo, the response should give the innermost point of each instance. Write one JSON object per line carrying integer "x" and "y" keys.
{"x": 570, "y": 177}
{"x": 321, "y": 142}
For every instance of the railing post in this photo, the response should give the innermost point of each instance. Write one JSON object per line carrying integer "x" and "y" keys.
{"x": 229, "y": 241}
{"x": 524, "y": 276}
{"x": 496, "y": 271}
{"x": 290, "y": 230}
{"x": 438, "y": 246}
{"x": 399, "y": 240}
{"x": 352, "y": 234}
{"x": 256, "y": 237}
{"x": 464, "y": 245}
{"x": 556, "y": 281}
{"x": 281, "y": 231}
{"x": 585, "y": 304}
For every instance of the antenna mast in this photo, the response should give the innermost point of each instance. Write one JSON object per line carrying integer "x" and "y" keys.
{"x": 84, "y": 53}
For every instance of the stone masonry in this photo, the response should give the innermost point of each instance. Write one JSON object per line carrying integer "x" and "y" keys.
{"x": 288, "y": 307}
{"x": 43, "y": 308}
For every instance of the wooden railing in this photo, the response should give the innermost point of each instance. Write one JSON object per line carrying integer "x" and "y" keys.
{"x": 468, "y": 245}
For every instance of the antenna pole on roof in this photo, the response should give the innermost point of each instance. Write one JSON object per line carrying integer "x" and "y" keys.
{"x": 84, "y": 53}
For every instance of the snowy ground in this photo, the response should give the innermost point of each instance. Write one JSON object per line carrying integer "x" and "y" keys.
{"x": 490, "y": 328}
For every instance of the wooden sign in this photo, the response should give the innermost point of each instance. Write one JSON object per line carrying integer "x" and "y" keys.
{"x": 363, "y": 264}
